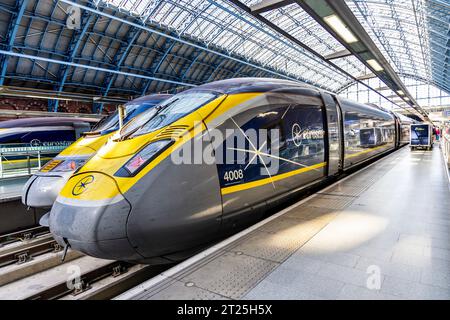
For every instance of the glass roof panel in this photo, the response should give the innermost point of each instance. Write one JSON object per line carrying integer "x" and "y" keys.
{"x": 411, "y": 34}
{"x": 221, "y": 24}
{"x": 405, "y": 31}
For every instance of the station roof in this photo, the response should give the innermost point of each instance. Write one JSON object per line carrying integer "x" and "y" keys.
{"x": 133, "y": 47}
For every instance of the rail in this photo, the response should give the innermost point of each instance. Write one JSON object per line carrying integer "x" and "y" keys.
{"x": 25, "y": 159}
{"x": 26, "y": 253}
{"x": 22, "y": 235}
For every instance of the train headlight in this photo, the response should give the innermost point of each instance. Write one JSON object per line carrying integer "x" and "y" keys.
{"x": 142, "y": 158}
{"x": 69, "y": 165}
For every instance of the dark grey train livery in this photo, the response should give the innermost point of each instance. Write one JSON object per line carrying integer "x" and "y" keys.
{"x": 132, "y": 202}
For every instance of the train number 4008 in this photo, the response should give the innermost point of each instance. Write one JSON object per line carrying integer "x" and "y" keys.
{"x": 233, "y": 175}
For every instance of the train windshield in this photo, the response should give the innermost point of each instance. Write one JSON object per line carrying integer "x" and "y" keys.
{"x": 166, "y": 113}
{"x": 111, "y": 123}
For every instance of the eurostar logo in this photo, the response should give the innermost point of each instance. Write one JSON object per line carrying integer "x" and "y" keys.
{"x": 81, "y": 186}
{"x": 297, "y": 134}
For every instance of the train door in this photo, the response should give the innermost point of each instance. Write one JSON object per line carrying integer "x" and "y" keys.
{"x": 398, "y": 132}
{"x": 335, "y": 147}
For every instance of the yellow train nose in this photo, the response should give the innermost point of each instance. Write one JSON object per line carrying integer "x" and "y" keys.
{"x": 90, "y": 187}
{"x": 91, "y": 215}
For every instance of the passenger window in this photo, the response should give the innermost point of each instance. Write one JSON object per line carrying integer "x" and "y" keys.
{"x": 300, "y": 144}
{"x": 281, "y": 142}
{"x": 364, "y": 132}
{"x": 305, "y": 134}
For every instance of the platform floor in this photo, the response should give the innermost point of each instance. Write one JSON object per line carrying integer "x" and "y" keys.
{"x": 383, "y": 233}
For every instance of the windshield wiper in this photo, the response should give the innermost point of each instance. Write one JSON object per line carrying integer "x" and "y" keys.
{"x": 100, "y": 123}
{"x": 158, "y": 109}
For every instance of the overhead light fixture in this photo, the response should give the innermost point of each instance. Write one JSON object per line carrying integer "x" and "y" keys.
{"x": 46, "y": 97}
{"x": 406, "y": 99}
{"x": 375, "y": 65}
{"x": 34, "y": 96}
{"x": 340, "y": 28}
{"x": 400, "y": 92}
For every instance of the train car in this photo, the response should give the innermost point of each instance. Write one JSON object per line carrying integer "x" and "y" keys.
{"x": 25, "y": 142}
{"x": 146, "y": 196}
{"x": 42, "y": 130}
{"x": 43, "y": 187}
{"x": 402, "y": 125}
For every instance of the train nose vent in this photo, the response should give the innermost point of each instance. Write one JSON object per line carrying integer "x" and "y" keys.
{"x": 172, "y": 132}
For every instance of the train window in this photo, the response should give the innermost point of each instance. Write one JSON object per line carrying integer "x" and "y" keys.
{"x": 107, "y": 122}
{"x": 138, "y": 122}
{"x": 169, "y": 111}
{"x": 367, "y": 131}
{"x": 300, "y": 142}
{"x": 280, "y": 142}
{"x": 305, "y": 134}
{"x": 9, "y": 139}
{"x": 111, "y": 123}
{"x": 363, "y": 131}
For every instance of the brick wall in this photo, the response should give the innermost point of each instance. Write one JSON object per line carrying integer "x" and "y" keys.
{"x": 42, "y": 105}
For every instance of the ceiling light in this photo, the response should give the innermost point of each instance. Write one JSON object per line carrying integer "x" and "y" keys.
{"x": 46, "y": 97}
{"x": 400, "y": 92}
{"x": 375, "y": 65}
{"x": 340, "y": 28}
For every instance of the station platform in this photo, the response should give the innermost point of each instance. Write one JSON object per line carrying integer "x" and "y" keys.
{"x": 381, "y": 233}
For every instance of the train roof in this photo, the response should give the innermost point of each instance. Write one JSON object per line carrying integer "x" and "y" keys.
{"x": 243, "y": 85}
{"x": 43, "y": 121}
{"x": 404, "y": 118}
{"x": 151, "y": 98}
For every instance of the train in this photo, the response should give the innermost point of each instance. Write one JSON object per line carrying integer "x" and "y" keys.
{"x": 160, "y": 190}
{"x": 43, "y": 187}
{"x": 30, "y": 141}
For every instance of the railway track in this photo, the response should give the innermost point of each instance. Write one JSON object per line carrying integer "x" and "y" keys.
{"x": 22, "y": 235}
{"x": 26, "y": 252}
{"x": 104, "y": 282}
{"x": 81, "y": 278}
{"x": 31, "y": 269}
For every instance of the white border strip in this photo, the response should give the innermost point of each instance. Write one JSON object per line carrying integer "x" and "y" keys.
{"x": 189, "y": 262}
{"x": 89, "y": 203}
{"x": 446, "y": 165}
